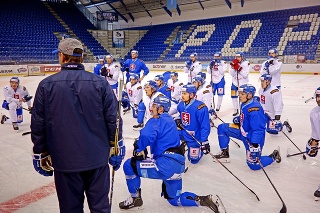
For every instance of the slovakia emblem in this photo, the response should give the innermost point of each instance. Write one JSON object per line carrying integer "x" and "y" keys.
{"x": 132, "y": 66}
{"x": 185, "y": 118}
{"x": 263, "y": 99}
{"x": 172, "y": 88}
{"x": 130, "y": 92}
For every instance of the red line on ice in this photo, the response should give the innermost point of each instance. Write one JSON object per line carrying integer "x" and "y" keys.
{"x": 23, "y": 200}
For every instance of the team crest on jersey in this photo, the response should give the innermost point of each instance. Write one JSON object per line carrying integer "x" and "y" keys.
{"x": 132, "y": 66}
{"x": 263, "y": 99}
{"x": 130, "y": 92}
{"x": 215, "y": 67}
{"x": 16, "y": 96}
{"x": 172, "y": 88}
{"x": 185, "y": 118}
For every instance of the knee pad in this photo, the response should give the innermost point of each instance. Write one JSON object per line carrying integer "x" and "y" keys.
{"x": 128, "y": 167}
{"x": 5, "y": 105}
{"x": 223, "y": 128}
{"x": 13, "y": 105}
{"x": 141, "y": 112}
{"x": 254, "y": 167}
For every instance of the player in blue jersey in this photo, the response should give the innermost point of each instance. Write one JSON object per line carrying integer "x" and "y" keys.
{"x": 99, "y": 65}
{"x": 163, "y": 88}
{"x": 135, "y": 65}
{"x": 194, "y": 118}
{"x": 250, "y": 128}
{"x": 167, "y": 164}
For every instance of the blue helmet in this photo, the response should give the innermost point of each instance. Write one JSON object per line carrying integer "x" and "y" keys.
{"x": 248, "y": 88}
{"x": 134, "y": 76}
{"x": 317, "y": 92}
{"x": 15, "y": 79}
{"x": 134, "y": 52}
{"x": 193, "y": 55}
{"x": 240, "y": 54}
{"x": 159, "y": 78}
{"x": 273, "y": 50}
{"x": 202, "y": 74}
{"x": 197, "y": 78}
{"x": 189, "y": 89}
{"x": 174, "y": 74}
{"x": 217, "y": 54}
{"x": 152, "y": 84}
{"x": 163, "y": 101}
{"x": 109, "y": 56}
{"x": 266, "y": 77}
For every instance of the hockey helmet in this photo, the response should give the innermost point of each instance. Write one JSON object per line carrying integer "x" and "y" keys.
{"x": 174, "y": 74}
{"x": 134, "y": 52}
{"x": 266, "y": 77}
{"x": 189, "y": 89}
{"x": 217, "y": 54}
{"x": 109, "y": 56}
{"x": 134, "y": 77}
{"x": 15, "y": 79}
{"x": 152, "y": 84}
{"x": 193, "y": 55}
{"x": 197, "y": 78}
{"x": 248, "y": 88}
{"x": 159, "y": 78}
{"x": 163, "y": 101}
{"x": 240, "y": 54}
{"x": 317, "y": 93}
{"x": 203, "y": 75}
{"x": 273, "y": 50}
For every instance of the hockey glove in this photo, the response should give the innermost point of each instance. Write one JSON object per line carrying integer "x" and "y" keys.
{"x": 179, "y": 123}
{"x": 139, "y": 155}
{"x": 278, "y": 125}
{"x": 233, "y": 62}
{"x": 105, "y": 73}
{"x": 27, "y": 98}
{"x": 255, "y": 152}
{"x": 205, "y": 147}
{"x": 42, "y": 164}
{"x": 121, "y": 61}
{"x": 115, "y": 159}
{"x": 213, "y": 114}
{"x": 212, "y": 63}
{"x": 312, "y": 147}
{"x": 270, "y": 61}
{"x": 267, "y": 64}
{"x": 188, "y": 64}
{"x": 256, "y": 98}
{"x": 236, "y": 120}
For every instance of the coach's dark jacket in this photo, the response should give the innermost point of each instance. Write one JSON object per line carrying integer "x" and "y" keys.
{"x": 74, "y": 118}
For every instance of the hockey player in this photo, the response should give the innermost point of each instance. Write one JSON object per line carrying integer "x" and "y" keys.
{"x": 273, "y": 66}
{"x": 110, "y": 71}
{"x": 313, "y": 143}
{"x": 99, "y": 65}
{"x": 167, "y": 163}
{"x": 194, "y": 118}
{"x": 272, "y": 104}
{"x": 134, "y": 94}
{"x": 193, "y": 67}
{"x": 248, "y": 127}
{"x": 216, "y": 69}
{"x": 144, "y": 107}
{"x": 175, "y": 88}
{"x": 163, "y": 88}
{"x": 15, "y": 94}
{"x": 239, "y": 71}
{"x": 135, "y": 66}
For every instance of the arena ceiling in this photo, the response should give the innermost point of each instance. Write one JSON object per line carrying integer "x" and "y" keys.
{"x": 129, "y": 10}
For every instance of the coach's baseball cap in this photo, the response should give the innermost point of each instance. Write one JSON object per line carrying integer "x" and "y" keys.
{"x": 67, "y": 46}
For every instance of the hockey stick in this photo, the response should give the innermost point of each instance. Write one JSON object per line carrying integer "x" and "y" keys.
{"x": 284, "y": 207}
{"x": 300, "y": 153}
{"x": 309, "y": 100}
{"x": 224, "y": 166}
{"x": 26, "y": 133}
{"x": 304, "y": 157}
{"x": 116, "y": 139}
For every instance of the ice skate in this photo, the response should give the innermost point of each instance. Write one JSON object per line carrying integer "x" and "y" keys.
{"x": 223, "y": 156}
{"x": 317, "y": 194}
{"x": 276, "y": 155}
{"x": 3, "y": 119}
{"x": 287, "y": 125}
{"x": 235, "y": 113}
{"x": 132, "y": 202}
{"x": 212, "y": 202}
{"x": 15, "y": 126}
{"x": 125, "y": 110}
{"x": 138, "y": 126}
{"x": 218, "y": 108}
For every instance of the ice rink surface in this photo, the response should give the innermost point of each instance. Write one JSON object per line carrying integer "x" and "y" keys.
{"x": 24, "y": 190}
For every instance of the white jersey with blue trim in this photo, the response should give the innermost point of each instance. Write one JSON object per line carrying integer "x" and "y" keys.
{"x": 175, "y": 88}
{"x": 114, "y": 70}
{"x": 217, "y": 71}
{"x": 315, "y": 123}
{"x": 134, "y": 93}
{"x": 274, "y": 70}
{"x": 204, "y": 94}
{"x": 148, "y": 101}
{"x": 242, "y": 76}
{"x": 12, "y": 95}
{"x": 195, "y": 68}
{"x": 271, "y": 101}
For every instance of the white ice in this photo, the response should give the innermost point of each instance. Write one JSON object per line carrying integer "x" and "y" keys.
{"x": 295, "y": 179}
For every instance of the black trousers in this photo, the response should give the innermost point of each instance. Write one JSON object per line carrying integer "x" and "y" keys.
{"x": 94, "y": 183}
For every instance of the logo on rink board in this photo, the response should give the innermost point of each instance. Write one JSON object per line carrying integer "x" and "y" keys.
{"x": 185, "y": 118}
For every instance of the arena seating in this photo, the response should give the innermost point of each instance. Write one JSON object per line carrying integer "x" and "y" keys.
{"x": 293, "y": 31}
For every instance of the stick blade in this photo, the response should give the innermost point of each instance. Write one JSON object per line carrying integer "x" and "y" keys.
{"x": 284, "y": 209}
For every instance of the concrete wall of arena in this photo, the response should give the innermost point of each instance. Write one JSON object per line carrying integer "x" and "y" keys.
{"x": 25, "y": 70}
{"x": 219, "y": 11}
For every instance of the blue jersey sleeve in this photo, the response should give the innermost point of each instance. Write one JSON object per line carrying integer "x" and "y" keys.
{"x": 203, "y": 119}
{"x": 257, "y": 124}
{"x": 148, "y": 135}
{"x": 96, "y": 69}
{"x": 145, "y": 68}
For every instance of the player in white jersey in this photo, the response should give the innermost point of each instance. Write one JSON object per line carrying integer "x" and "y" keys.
{"x": 239, "y": 71}
{"x": 313, "y": 143}
{"x": 15, "y": 95}
{"x": 110, "y": 71}
{"x": 175, "y": 88}
{"x": 272, "y": 104}
{"x": 193, "y": 67}
{"x": 216, "y": 69}
{"x": 134, "y": 92}
{"x": 273, "y": 66}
